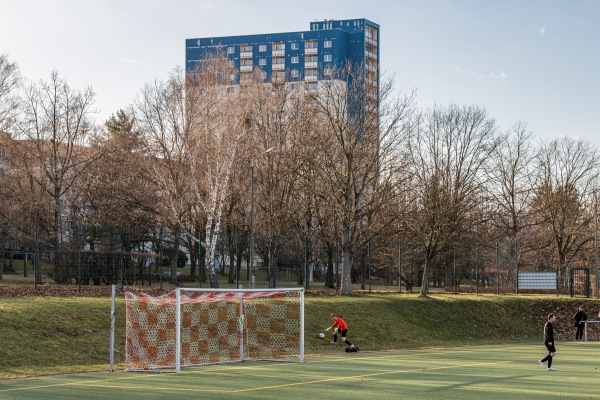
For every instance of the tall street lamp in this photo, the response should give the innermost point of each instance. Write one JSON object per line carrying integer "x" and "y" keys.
{"x": 251, "y": 266}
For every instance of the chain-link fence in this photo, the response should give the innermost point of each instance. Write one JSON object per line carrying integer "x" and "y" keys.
{"x": 92, "y": 256}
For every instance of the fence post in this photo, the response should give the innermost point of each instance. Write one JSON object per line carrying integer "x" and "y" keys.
{"x": 80, "y": 248}
{"x": 36, "y": 259}
{"x": 476, "y": 272}
{"x": 160, "y": 257}
{"x": 517, "y": 270}
{"x": 497, "y": 271}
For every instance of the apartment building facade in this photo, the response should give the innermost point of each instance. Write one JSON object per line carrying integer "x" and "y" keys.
{"x": 297, "y": 57}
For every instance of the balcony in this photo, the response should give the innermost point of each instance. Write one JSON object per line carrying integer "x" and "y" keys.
{"x": 310, "y": 65}
{"x": 278, "y": 53}
{"x": 246, "y": 68}
{"x": 310, "y": 78}
{"x": 371, "y": 55}
{"x": 371, "y": 68}
{"x": 246, "y": 54}
{"x": 311, "y": 50}
{"x": 371, "y": 41}
{"x": 278, "y": 67}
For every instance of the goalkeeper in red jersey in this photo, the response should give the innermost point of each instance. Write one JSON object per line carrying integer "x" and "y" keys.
{"x": 339, "y": 327}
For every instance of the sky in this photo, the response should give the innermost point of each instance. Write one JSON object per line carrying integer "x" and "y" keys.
{"x": 536, "y": 61}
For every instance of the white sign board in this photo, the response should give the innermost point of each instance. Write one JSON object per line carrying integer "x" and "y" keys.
{"x": 537, "y": 280}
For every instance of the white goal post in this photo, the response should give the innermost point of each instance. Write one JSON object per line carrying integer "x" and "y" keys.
{"x": 586, "y": 327}
{"x": 191, "y": 327}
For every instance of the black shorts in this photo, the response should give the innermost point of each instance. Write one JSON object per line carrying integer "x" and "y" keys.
{"x": 550, "y": 347}
{"x": 342, "y": 333}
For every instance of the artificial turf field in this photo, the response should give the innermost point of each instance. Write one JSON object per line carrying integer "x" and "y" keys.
{"x": 481, "y": 372}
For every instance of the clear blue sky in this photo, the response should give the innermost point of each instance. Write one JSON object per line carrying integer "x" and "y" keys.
{"x": 536, "y": 61}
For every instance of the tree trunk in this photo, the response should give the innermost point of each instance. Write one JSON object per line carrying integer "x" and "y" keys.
{"x": 425, "y": 278}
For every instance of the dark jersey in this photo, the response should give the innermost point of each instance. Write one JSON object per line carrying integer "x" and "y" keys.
{"x": 549, "y": 332}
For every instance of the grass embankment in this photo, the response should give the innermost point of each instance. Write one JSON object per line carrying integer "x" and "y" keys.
{"x": 51, "y": 335}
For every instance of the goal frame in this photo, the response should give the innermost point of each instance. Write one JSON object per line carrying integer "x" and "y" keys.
{"x": 243, "y": 296}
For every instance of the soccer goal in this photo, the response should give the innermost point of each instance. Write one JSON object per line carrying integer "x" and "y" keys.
{"x": 191, "y": 327}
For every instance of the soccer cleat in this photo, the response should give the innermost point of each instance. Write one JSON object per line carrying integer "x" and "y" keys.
{"x": 541, "y": 364}
{"x": 551, "y": 369}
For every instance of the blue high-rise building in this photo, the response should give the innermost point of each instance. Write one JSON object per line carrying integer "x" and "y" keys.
{"x": 305, "y": 56}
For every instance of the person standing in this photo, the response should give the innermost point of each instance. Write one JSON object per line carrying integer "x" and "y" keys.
{"x": 580, "y": 319}
{"x": 339, "y": 326}
{"x": 549, "y": 342}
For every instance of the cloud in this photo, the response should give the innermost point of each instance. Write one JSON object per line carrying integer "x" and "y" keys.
{"x": 586, "y": 24}
{"x": 501, "y": 76}
{"x": 469, "y": 73}
{"x": 541, "y": 30}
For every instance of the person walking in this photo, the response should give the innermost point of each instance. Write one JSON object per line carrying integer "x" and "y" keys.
{"x": 580, "y": 319}
{"x": 339, "y": 326}
{"x": 549, "y": 342}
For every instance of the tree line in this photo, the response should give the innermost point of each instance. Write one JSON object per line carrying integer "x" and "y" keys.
{"x": 341, "y": 166}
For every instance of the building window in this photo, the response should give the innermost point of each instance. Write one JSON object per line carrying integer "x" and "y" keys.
{"x": 327, "y": 57}
{"x": 262, "y": 61}
{"x": 295, "y": 46}
{"x": 246, "y": 48}
{"x": 262, "y": 47}
{"x": 295, "y": 60}
{"x": 327, "y": 72}
{"x": 311, "y": 44}
{"x": 279, "y": 61}
{"x": 230, "y": 90}
{"x": 279, "y": 46}
{"x": 295, "y": 73}
{"x": 311, "y": 58}
{"x": 230, "y": 50}
{"x": 327, "y": 44}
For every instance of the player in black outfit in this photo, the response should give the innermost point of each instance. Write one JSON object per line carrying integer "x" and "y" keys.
{"x": 549, "y": 342}
{"x": 580, "y": 317}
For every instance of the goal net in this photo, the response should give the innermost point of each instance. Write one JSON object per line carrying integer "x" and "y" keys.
{"x": 190, "y": 327}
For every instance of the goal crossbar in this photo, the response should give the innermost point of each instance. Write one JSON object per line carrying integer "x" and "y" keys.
{"x": 188, "y": 327}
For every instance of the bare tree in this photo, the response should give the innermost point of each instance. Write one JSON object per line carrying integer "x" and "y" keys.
{"x": 362, "y": 131}
{"x": 511, "y": 182}
{"x": 10, "y": 80}
{"x": 50, "y": 155}
{"x": 447, "y": 154}
{"x": 279, "y": 117}
{"x": 568, "y": 170}
{"x": 166, "y": 124}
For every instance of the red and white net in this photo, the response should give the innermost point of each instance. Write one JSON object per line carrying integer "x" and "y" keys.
{"x": 216, "y": 327}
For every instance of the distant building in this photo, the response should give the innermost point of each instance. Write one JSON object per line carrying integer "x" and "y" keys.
{"x": 297, "y": 57}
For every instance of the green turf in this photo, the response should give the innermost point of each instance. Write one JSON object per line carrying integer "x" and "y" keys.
{"x": 479, "y": 372}
{"x": 52, "y": 335}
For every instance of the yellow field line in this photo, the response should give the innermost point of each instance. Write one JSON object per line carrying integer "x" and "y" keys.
{"x": 100, "y": 385}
